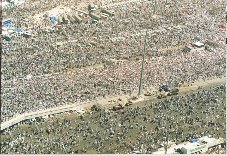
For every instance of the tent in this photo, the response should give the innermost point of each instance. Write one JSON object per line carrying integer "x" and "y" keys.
{"x": 53, "y": 19}
{"x": 18, "y": 30}
{"x": 7, "y": 37}
{"x": 194, "y": 139}
{"x": 26, "y": 35}
{"x": 7, "y": 23}
{"x": 198, "y": 44}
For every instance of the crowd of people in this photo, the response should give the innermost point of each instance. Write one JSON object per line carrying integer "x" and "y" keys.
{"x": 217, "y": 150}
{"x": 85, "y": 61}
{"x": 142, "y": 128}
{"x": 105, "y": 57}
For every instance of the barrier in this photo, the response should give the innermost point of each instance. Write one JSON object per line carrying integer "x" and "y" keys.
{"x": 50, "y": 111}
{"x": 43, "y": 113}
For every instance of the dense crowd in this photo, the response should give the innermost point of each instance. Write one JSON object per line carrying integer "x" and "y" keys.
{"x": 140, "y": 128}
{"x": 104, "y": 58}
{"x": 217, "y": 150}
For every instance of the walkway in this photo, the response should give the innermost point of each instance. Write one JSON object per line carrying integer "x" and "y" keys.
{"x": 107, "y": 102}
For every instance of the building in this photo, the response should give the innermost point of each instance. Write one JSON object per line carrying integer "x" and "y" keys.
{"x": 194, "y": 148}
{"x": 201, "y": 145}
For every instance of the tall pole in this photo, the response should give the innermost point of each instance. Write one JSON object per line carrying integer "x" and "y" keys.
{"x": 141, "y": 72}
{"x": 155, "y": 5}
{"x": 166, "y": 141}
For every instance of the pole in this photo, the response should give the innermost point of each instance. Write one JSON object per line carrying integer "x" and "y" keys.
{"x": 155, "y": 4}
{"x": 167, "y": 141}
{"x": 141, "y": 73}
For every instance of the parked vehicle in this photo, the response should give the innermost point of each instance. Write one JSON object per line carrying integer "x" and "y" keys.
{"x": 167, "y": 91}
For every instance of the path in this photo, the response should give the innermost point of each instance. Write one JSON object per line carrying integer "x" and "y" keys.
{"x": 109, "y": 101}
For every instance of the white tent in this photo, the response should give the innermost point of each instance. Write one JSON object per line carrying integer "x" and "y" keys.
{"x": 6, "y": 4}
{"x": 198, "y": 44}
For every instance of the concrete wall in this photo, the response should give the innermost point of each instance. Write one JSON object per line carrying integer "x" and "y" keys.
{"x": 43, "y": 113}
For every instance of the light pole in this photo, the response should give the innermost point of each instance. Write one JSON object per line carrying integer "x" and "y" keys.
{"x": 141, "y": 72}
{"x": 155, "y": 5}
{"x": 166, "y": 141}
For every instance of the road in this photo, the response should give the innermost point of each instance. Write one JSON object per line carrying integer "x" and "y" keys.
{"x": 109, "y": 101}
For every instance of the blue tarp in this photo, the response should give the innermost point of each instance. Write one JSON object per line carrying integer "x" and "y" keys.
{"x": 17, "y": 30}
{"x": 7, "y": 23}
{"x": 53, "y": 19}
{"x": 195, "y": 139}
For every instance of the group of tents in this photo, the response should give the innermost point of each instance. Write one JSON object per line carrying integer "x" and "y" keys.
{"x": 8, "y": 26}
{"x": 75, "y": 18}
{"x": 8, "y": 30}
{"x": 58, "y": 21}
{"x": 65, "y": 19}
